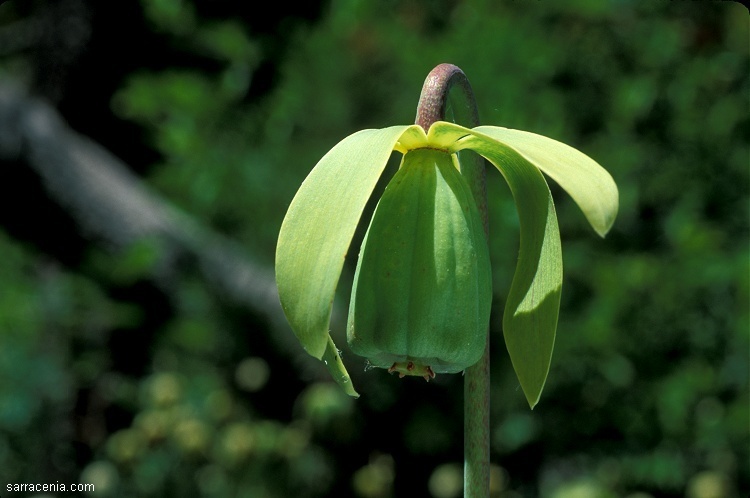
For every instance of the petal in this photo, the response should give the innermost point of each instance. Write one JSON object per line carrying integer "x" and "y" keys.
{"x": 590, "y": 185}
{"x": 413, "y": 138}
{"x": 530, "y": 317}
{"x": 443, "y": 134}
{"x": 318, "y": 228}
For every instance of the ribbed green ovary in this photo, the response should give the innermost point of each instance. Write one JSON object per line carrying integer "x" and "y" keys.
{"x": 422, "y": 290}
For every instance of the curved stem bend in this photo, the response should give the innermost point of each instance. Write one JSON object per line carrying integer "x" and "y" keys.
{"x": 447, "y": 96}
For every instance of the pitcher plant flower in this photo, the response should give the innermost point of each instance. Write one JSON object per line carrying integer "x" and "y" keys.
{"x": 422, "y": 291}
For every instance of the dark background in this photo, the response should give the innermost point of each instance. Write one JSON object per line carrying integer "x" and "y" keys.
{"x": 141, "y": 345}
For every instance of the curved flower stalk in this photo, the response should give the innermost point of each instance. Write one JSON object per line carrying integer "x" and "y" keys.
{"x": 320, "y": 223}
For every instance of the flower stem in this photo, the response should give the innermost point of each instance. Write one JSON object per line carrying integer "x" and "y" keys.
{"x": 447, "y": 96}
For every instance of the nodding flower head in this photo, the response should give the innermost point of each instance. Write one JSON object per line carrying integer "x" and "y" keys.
{"x": 420, "y": 303}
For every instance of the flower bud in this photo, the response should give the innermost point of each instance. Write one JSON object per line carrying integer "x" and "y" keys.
{"x": 422, "y": 291}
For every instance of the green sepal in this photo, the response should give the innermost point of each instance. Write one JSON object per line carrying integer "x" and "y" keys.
{"x": 532, "y": 308}
{"x": 332, "y": 360}
{"x": 590, "y": 185}
{"x": 318, "y": 228}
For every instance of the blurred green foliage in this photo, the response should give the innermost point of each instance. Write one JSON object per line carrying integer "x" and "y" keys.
{"x": 105, "y": 380}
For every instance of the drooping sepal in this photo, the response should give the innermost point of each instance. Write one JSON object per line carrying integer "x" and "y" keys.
{"x": 309, "y": 260}
{"x": 332, "y": 360}
{"x": 318, "y": 228}
{"x": 532, "y": 308}
{"x": 590, "y": 185}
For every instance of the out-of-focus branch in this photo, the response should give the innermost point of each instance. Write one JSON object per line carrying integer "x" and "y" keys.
{"x": 112, "y": 205}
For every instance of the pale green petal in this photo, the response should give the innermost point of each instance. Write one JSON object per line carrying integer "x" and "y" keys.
{"x": 442, "y": 134}
{"x": 413, "y": 138}
{"x": 590, "y": 185}
{"x": 530, "y": 318}
{"x": 318, "y": 228}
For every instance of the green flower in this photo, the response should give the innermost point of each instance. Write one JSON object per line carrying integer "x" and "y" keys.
{"x": 421, "y": 296}
{"x": 423, "y": 288}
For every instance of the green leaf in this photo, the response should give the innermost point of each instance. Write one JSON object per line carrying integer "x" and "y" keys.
{"x": 319, "y": 226}
{"x": 530, "y": 318}
{"x": 590, "y": 185}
